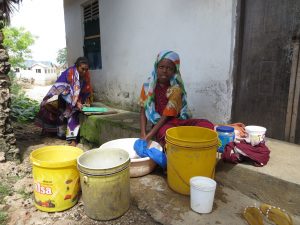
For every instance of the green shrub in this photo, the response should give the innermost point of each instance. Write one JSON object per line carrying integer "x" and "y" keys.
{"x": 23, "y": 109}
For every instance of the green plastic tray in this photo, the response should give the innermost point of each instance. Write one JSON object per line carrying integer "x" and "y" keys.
{"x": 94, "y": 109}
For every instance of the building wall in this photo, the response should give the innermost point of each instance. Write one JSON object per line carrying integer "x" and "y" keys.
{"x": 134, "y": 31}
{"x": 39, "y": 78}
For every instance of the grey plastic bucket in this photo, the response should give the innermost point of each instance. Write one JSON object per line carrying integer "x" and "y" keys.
{"x": 104, "y": 179}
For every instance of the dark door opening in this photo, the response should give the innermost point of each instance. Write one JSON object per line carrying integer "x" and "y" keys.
{"x": 264, "y": 65}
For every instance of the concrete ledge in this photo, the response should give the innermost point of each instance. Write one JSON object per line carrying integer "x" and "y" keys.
{"x": 98, "y": 129}
{"x": 277, "y": 183}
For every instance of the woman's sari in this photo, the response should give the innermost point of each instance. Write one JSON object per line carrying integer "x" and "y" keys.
{"x": 70, "y": 89}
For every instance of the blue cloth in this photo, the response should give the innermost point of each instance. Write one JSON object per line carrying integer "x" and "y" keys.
{"x": 140, "y": 146}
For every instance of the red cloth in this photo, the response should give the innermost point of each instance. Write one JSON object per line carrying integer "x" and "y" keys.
{"x": 259, "y": 155}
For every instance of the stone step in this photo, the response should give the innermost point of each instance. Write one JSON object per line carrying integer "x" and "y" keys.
{"x": 98, "y": 129}
{"x": 277, "y": 183}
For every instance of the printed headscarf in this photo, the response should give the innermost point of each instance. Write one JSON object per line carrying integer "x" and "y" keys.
{"x": 150, "y": 85}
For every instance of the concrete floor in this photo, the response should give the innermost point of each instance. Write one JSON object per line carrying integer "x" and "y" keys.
{"x": 280, "y": 177}
{"x": 239, "y": 186}
{"x": 151, "y": 193}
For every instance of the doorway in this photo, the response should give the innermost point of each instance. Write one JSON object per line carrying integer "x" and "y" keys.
{"x": 263, "y": 91}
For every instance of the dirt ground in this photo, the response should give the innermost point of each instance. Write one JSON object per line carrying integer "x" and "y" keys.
{"x": 17, "y": 184}
{"x": 19, "y": 204}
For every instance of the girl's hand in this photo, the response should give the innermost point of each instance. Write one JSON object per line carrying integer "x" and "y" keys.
{"x": 143, "y": 134}
{"x": 143, "y": 137}
{"x": 79, "y": 105}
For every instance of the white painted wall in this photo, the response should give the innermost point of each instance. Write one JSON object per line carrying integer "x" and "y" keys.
{"x": 39, "y": 78}
{"x": 134, "y": 31}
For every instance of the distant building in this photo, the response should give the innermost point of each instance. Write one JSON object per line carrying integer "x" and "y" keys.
{"x": 40, "y": 72}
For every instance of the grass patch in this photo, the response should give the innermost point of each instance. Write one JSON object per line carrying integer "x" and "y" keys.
{"x": 13, "y": 179}
{"x": 4, "y": 191}
{"x": 24, "y": 194}
{"x": 3, "y": 218}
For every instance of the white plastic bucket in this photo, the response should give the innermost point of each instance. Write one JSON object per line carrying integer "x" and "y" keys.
{"x": 202, "y": 194}
{"x": 255, "y": 134}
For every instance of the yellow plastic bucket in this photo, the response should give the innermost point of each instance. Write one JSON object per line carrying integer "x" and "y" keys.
{"x": 191, "y": 151}
{"x": 56, "y": 178}
{"x": 104, "y": 178}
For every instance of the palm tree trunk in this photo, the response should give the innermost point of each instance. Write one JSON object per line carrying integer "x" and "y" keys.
{"x": 8, "y": 148}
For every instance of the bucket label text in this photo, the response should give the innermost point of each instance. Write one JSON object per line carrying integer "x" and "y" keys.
{"x": 42, "y": 190}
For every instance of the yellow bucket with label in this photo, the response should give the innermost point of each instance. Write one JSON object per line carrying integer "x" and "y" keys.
{"x": 56, "y": 178}
{"x": 191, "y": 151}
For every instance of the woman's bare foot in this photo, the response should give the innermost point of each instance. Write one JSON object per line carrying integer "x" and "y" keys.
{"x": 73, "y": 143}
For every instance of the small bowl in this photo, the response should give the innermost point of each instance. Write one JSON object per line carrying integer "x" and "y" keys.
{"x": 138, "y": 166}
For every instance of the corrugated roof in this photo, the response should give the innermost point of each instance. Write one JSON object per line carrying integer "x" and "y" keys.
{"x": 46, "y": 64}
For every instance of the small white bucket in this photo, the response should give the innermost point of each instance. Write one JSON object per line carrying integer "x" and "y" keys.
{"x": 255, "y": 134}
{"x": 202, "y": 194}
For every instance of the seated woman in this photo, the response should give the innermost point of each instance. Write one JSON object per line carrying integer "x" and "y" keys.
{"x": 163, "y": 100}
{"x": 73, "y": 89}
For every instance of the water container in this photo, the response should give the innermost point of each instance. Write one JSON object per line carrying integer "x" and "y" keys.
{"x": 191, "y": 151}
{"x": 226, "y": 135}
{"x": 55, "y": 176}
{"x": 202, "y": 194}
{"x": 104, "y": 179}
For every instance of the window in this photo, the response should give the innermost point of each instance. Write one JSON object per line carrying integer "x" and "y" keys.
{"x": 92, "y": 47}
{"x": 45, "y": 70}
{"x": 38, "y": 70}
{"x": 17, "y": 70}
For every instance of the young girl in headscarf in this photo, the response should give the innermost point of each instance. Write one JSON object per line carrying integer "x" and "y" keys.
{"x": 163, "y": 100}
{"x": 73, "y": 89}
